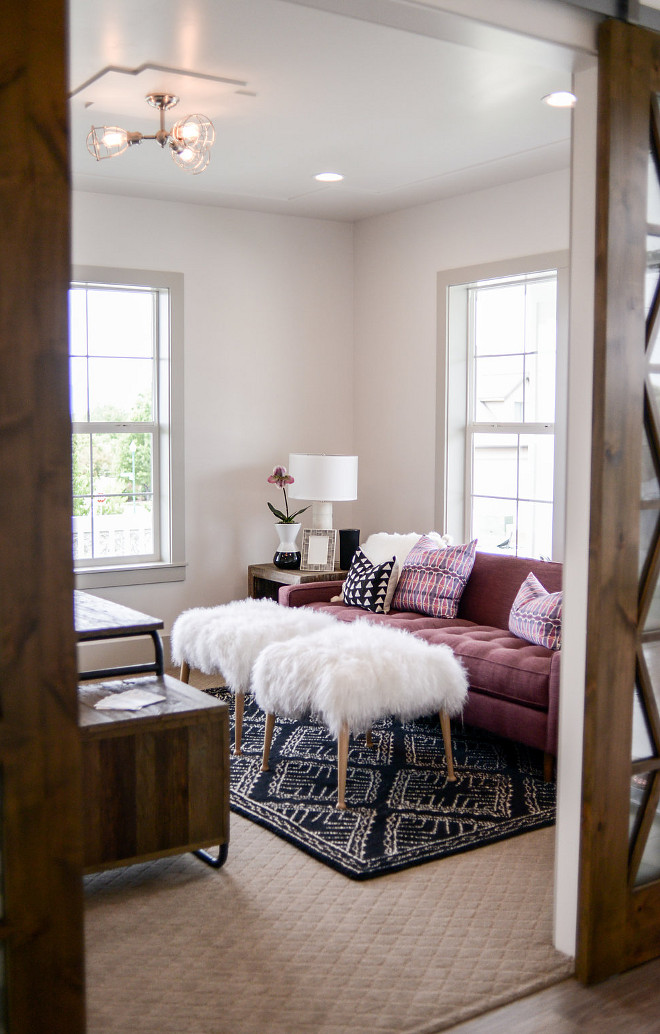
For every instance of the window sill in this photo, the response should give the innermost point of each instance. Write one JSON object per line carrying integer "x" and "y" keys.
{"x": 138, "y": 574}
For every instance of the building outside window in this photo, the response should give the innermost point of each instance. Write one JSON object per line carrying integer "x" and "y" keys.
{"x": 125, "y": 461}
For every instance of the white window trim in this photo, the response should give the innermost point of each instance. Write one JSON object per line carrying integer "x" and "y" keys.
{"x": 452, "y": 407}
{"x": 172, "y": 531}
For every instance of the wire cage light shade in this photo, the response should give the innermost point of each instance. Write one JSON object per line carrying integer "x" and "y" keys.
{"x": 189, "y": 140}
{"x": 106, "y": 141}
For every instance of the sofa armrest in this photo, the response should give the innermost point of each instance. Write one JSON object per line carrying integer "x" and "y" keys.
{"x": 308, "y": 592}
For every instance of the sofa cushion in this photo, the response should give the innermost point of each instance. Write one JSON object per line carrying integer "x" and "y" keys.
{"x": 433, "y": 579}
{"x": 370, "y": 586}
{"x": 497, "y": 662}
{"x": 536, "y": 614}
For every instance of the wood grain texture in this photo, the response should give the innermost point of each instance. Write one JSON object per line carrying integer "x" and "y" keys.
{"x": 39, "y": 745}
{"x": 607, "y": 939}
{"x": 621, "y": 1005}
{"x": 156, "y": 781}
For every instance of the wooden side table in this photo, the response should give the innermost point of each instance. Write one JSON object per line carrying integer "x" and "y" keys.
{"x": 264, "y": 580}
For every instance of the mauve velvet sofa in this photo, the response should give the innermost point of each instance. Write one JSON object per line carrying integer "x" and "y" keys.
{"x": 514, "y": 685}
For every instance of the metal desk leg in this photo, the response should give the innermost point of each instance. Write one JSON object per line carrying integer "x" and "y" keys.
{"x": 216, "y": 863}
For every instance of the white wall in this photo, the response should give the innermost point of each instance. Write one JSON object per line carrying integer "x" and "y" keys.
{"x": 397, "y": 259}
{"x": 268, "y": 367}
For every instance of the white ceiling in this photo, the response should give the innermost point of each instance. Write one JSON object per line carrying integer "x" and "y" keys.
{"x": 407, "y": 118}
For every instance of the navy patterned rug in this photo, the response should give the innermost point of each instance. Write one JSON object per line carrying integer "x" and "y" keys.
{"x": 401, "y": 811}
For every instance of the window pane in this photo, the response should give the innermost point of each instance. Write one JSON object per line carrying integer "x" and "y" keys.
{"x": 653, "y": 196}
{"x": 642, "y": 744}
{"x": 493, "y": 525}
{"x": 123, "y": 529}
{"x": 82, "y": 485}
{"x": 78, "y": 388}
{"x": 121, "y": 389}
{"x": 495, "y": 465}
{"x": 540, "y": 388}
{"x": 500, "y": 320}
{"x": 121, "y": 323}
{"x": 652, "y": 272}
{"x": 499, "y": 389}
{"x": 82, "y": 535}
{"x": 649, "y": 868}
{"x": 535, "y": 530}
{"x": 113, "y": 499}
{"x": 541, "y": 317}
{"x": 537, "y": 464}
{"x": 77, "y": 321}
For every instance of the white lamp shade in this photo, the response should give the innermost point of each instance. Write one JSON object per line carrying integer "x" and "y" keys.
{"x": 326, "y": 478}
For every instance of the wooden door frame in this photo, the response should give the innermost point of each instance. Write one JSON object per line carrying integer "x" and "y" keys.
{"x": 618, "y": 925}
{"x": 41, "y": 928}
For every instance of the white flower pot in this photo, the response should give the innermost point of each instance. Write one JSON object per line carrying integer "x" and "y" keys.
{"x": 287, "y": 555}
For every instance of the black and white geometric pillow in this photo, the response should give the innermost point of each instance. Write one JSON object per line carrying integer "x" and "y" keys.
{"x": 367, "y": 585}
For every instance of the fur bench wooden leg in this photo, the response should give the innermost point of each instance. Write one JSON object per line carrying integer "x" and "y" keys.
{"x": 268, "y": 737}
{"x": 239, "y": 703}
{"x": 342, "y": 763}
{"x": 184, "y": 674}
{"x": 445, "y": 725}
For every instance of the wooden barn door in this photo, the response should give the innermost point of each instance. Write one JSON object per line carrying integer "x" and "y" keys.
{"x": 619, "y": 921}
{"x": 41, "y": 935}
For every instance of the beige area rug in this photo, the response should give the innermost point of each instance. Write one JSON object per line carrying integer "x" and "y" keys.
{"x": 278, "y": 943}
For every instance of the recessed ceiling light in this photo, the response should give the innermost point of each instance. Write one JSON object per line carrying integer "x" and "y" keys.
{"x": 329, "y": 177}
{"x": 561, "y": 99}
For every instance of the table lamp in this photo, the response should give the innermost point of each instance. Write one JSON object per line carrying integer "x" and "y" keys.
{"x": 324, "y": 480}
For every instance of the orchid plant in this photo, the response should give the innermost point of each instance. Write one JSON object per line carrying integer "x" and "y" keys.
{"x": 280, "y": 478}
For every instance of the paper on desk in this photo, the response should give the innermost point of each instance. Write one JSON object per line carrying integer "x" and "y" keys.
{"x": 129, "y": 700}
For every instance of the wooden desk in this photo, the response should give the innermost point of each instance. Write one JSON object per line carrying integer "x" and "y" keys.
{"x": 97, "y": 619}
{"x": 156, "y": 780}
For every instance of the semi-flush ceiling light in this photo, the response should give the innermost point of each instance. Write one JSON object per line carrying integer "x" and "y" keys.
{"x": 189, "y": 140}
{"x": 329, "y": 177}
{"x": 560, "y": 99}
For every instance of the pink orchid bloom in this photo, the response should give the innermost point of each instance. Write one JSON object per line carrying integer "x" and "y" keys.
{"x": 280, "y": 477}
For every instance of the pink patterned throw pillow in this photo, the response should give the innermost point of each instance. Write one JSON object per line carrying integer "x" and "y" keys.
{"x": 433, "y": 579}
{"x": 536, "y": 614}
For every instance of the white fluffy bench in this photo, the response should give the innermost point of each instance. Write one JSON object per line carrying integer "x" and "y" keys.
{"x": 350, "y": 676}
{"x": 226, "y": 640}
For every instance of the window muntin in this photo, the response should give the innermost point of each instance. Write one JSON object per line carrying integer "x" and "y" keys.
{"x": 510, "y": 428}
{"x": 118, "y": 337}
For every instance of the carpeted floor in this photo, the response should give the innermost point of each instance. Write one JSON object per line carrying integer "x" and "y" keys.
{"x": 277, "y": 942}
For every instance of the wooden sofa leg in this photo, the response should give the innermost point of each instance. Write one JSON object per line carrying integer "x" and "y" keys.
{"x": 445, "y": 725}
{"x": 548, "y": 767}
{"x": 369, "y": 739}
{"x": 342, "y": 763}
{"x": 184, "y": 674}
{"x": 239, "y": 706}
{"x": 268, "y": 736}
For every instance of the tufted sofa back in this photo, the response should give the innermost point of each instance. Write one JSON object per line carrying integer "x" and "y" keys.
{"x": 494, "y": 582}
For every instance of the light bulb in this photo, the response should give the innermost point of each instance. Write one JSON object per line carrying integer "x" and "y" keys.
{"x": 560, "y": 99}
{"x": 113, "y": 137}
{"x": 189, "y": 132}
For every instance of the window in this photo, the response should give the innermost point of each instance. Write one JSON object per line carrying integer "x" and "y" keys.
{"x": 511, "y": 413}
{"x": 125, "y": 387}
{"x": 502, "y": 427}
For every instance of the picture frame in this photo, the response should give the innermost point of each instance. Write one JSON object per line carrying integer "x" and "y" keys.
{"x": 318, "y": 549}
